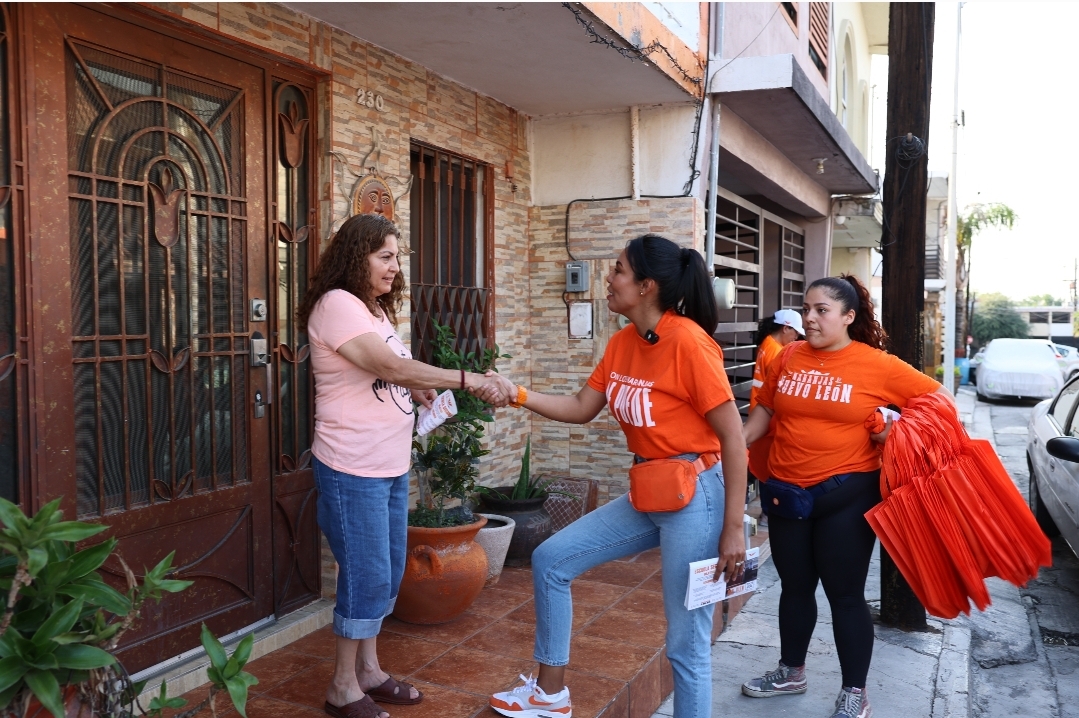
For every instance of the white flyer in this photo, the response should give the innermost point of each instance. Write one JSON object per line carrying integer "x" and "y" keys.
{"x": 703, "y": 591}
{"x": 442, "y": 408}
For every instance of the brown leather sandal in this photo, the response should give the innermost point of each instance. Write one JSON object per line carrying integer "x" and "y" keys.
{"x": 363, "y": 708}
{"x": 396, "y": 693}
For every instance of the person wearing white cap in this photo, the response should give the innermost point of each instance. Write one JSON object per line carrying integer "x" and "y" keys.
{"x": 773, "y": 333}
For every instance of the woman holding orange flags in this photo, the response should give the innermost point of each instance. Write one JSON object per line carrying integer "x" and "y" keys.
{"x": 824, "y": 474}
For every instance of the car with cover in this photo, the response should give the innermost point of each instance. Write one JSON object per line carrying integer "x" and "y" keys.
{"x": 1019, "y": 368}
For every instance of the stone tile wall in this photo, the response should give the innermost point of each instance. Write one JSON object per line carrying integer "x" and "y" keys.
{"x": 598, "y": 232}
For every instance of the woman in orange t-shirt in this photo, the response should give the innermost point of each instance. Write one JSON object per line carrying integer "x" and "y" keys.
{"x": 663, "y": 381}
{"x": 825, "y": 474}
{"x": 773, "y": 333}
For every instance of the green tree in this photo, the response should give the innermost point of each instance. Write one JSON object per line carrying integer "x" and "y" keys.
{"x": 1042, "y": 300}
{"x": 977, "y": 217}
{"x": 994, "y": 318}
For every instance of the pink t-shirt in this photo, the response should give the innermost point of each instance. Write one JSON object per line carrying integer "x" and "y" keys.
{"x": 363, "y": 425}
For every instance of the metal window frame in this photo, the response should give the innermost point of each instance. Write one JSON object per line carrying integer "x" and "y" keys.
{"x": 458, "y": 296}
{"x": 737, "y": 337}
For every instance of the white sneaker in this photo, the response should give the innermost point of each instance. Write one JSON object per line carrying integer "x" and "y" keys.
{"x": 529, "y": 701}
{"x": 852, "y": 703}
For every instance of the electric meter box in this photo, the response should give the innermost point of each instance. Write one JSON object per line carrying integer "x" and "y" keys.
{"x": 576, "y": 277}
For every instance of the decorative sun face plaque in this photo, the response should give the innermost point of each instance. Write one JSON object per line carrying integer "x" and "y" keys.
{"x": 372, "y": 196}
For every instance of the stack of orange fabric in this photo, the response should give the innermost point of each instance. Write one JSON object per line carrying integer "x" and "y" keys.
{"x": 951, "y": 516}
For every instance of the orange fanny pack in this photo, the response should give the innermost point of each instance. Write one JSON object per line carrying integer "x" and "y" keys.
{"x": 666, "y": 484}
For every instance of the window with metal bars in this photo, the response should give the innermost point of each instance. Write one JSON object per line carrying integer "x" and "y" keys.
{"x": 738, "y": 256}
{"x": 792, "y": 268}
{"x": 818, "y": 35}
{"x": 451, "y": 273}
{"x": 765, "y": 256}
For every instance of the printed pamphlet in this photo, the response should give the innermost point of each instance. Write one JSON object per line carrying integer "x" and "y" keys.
{"x": 703, "y": 591}
{"x": 442, "y": 408}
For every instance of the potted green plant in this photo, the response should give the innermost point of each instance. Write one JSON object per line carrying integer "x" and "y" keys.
{"x": 939, "y": 372}
{"x": 524, "y": 503}
{"x": 62, "y": 623}
{"x": 445, "y": 568}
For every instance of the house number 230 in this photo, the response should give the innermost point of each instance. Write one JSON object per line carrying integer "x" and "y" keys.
{"x": 367, "y": 98}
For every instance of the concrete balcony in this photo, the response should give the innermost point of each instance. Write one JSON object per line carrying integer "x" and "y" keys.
{"x": 538, "y": 58}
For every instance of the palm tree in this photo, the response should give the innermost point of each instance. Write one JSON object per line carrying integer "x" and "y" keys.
{"x": 977, "y": 217}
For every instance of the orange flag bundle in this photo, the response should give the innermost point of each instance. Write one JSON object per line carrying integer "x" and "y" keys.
{"x": 951, "y": 516}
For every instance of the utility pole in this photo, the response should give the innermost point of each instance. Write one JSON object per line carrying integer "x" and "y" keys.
{"x": 910, "y": 76}
{"x": 953, "y": 221}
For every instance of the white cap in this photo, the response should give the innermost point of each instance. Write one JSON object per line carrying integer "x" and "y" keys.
{"x": 790, "y": 318}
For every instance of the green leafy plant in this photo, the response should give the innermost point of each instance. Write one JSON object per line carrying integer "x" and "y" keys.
{"x": 940, "y": 371}
{"x": 526, "y": 487}
{"x": 62, "y": 621}
{"x": 449, "y": 458}
{"x": 225, "y": 673}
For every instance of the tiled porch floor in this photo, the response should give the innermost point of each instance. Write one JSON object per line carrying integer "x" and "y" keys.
{"x": 618, "y": 668}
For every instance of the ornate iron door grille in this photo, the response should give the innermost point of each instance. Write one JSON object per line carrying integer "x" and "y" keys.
{"x": 14, "y": 339}
{"x": 451, "y": 275}
{"x": 295, "y": 529}
{"x": 158, "y": 213}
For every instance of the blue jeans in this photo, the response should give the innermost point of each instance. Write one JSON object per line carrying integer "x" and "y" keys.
{"x": 365, "y": 521}
{"x": 614, "y": 530}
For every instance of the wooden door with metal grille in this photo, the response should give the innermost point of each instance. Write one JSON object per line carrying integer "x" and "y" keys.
{"x": 297, "y": 569}
{"x": 165, "y": 213}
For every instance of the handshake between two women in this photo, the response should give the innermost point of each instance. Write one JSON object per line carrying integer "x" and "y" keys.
{"x": 495, "y": 389}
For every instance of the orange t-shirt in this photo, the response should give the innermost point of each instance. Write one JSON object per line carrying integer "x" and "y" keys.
{"x": 820, "y": 409}
{"x": 659, "y": 393}
{"x": 766, "y": 353}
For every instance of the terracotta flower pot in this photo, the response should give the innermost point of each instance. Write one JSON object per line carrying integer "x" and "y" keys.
{"x": 445, "y": 570}
{"x": 533, "y": 523}
{"x": 495, "y": 539}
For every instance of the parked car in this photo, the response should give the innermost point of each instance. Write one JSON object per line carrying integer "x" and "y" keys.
{"x": 1022, "y": 368}
{"x": 1053, "y": 461}
{"x": 1067, "y": 359}
{"x": 975, "y": 362}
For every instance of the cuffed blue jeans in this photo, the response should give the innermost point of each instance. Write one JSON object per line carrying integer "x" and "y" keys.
{"x": 365, "y": 521}
{"x": 614, "y": 530}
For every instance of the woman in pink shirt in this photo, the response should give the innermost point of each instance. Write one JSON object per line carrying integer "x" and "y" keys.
{"x": 365, "y": 385}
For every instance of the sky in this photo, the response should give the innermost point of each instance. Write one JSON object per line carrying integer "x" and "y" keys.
{"x": 1018, "y": 145}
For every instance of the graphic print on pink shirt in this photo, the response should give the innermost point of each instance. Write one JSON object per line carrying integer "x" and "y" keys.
{"x": 402, "y": 397}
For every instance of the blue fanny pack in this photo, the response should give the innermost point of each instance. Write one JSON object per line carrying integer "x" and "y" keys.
{"x": 780, "y": 498}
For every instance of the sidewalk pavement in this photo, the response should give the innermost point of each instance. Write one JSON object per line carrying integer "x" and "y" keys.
{"x": 913, "y": 675}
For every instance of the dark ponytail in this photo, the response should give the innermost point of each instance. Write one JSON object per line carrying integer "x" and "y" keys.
{"x": 852, "y": 294}
{"x": 685, "y": 284}
{"x": 766, "y": 328}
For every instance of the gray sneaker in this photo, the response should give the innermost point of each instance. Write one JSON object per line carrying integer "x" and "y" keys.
{"x": 782, "y": 681}
{"x": 852, "y": 703}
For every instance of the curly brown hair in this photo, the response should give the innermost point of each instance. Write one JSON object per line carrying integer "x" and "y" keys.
{"x": 852, "y": 294}
{"x": 344, "y": 265}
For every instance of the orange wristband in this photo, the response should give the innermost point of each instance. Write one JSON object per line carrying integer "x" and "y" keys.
{"x": 522, "y": 397}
